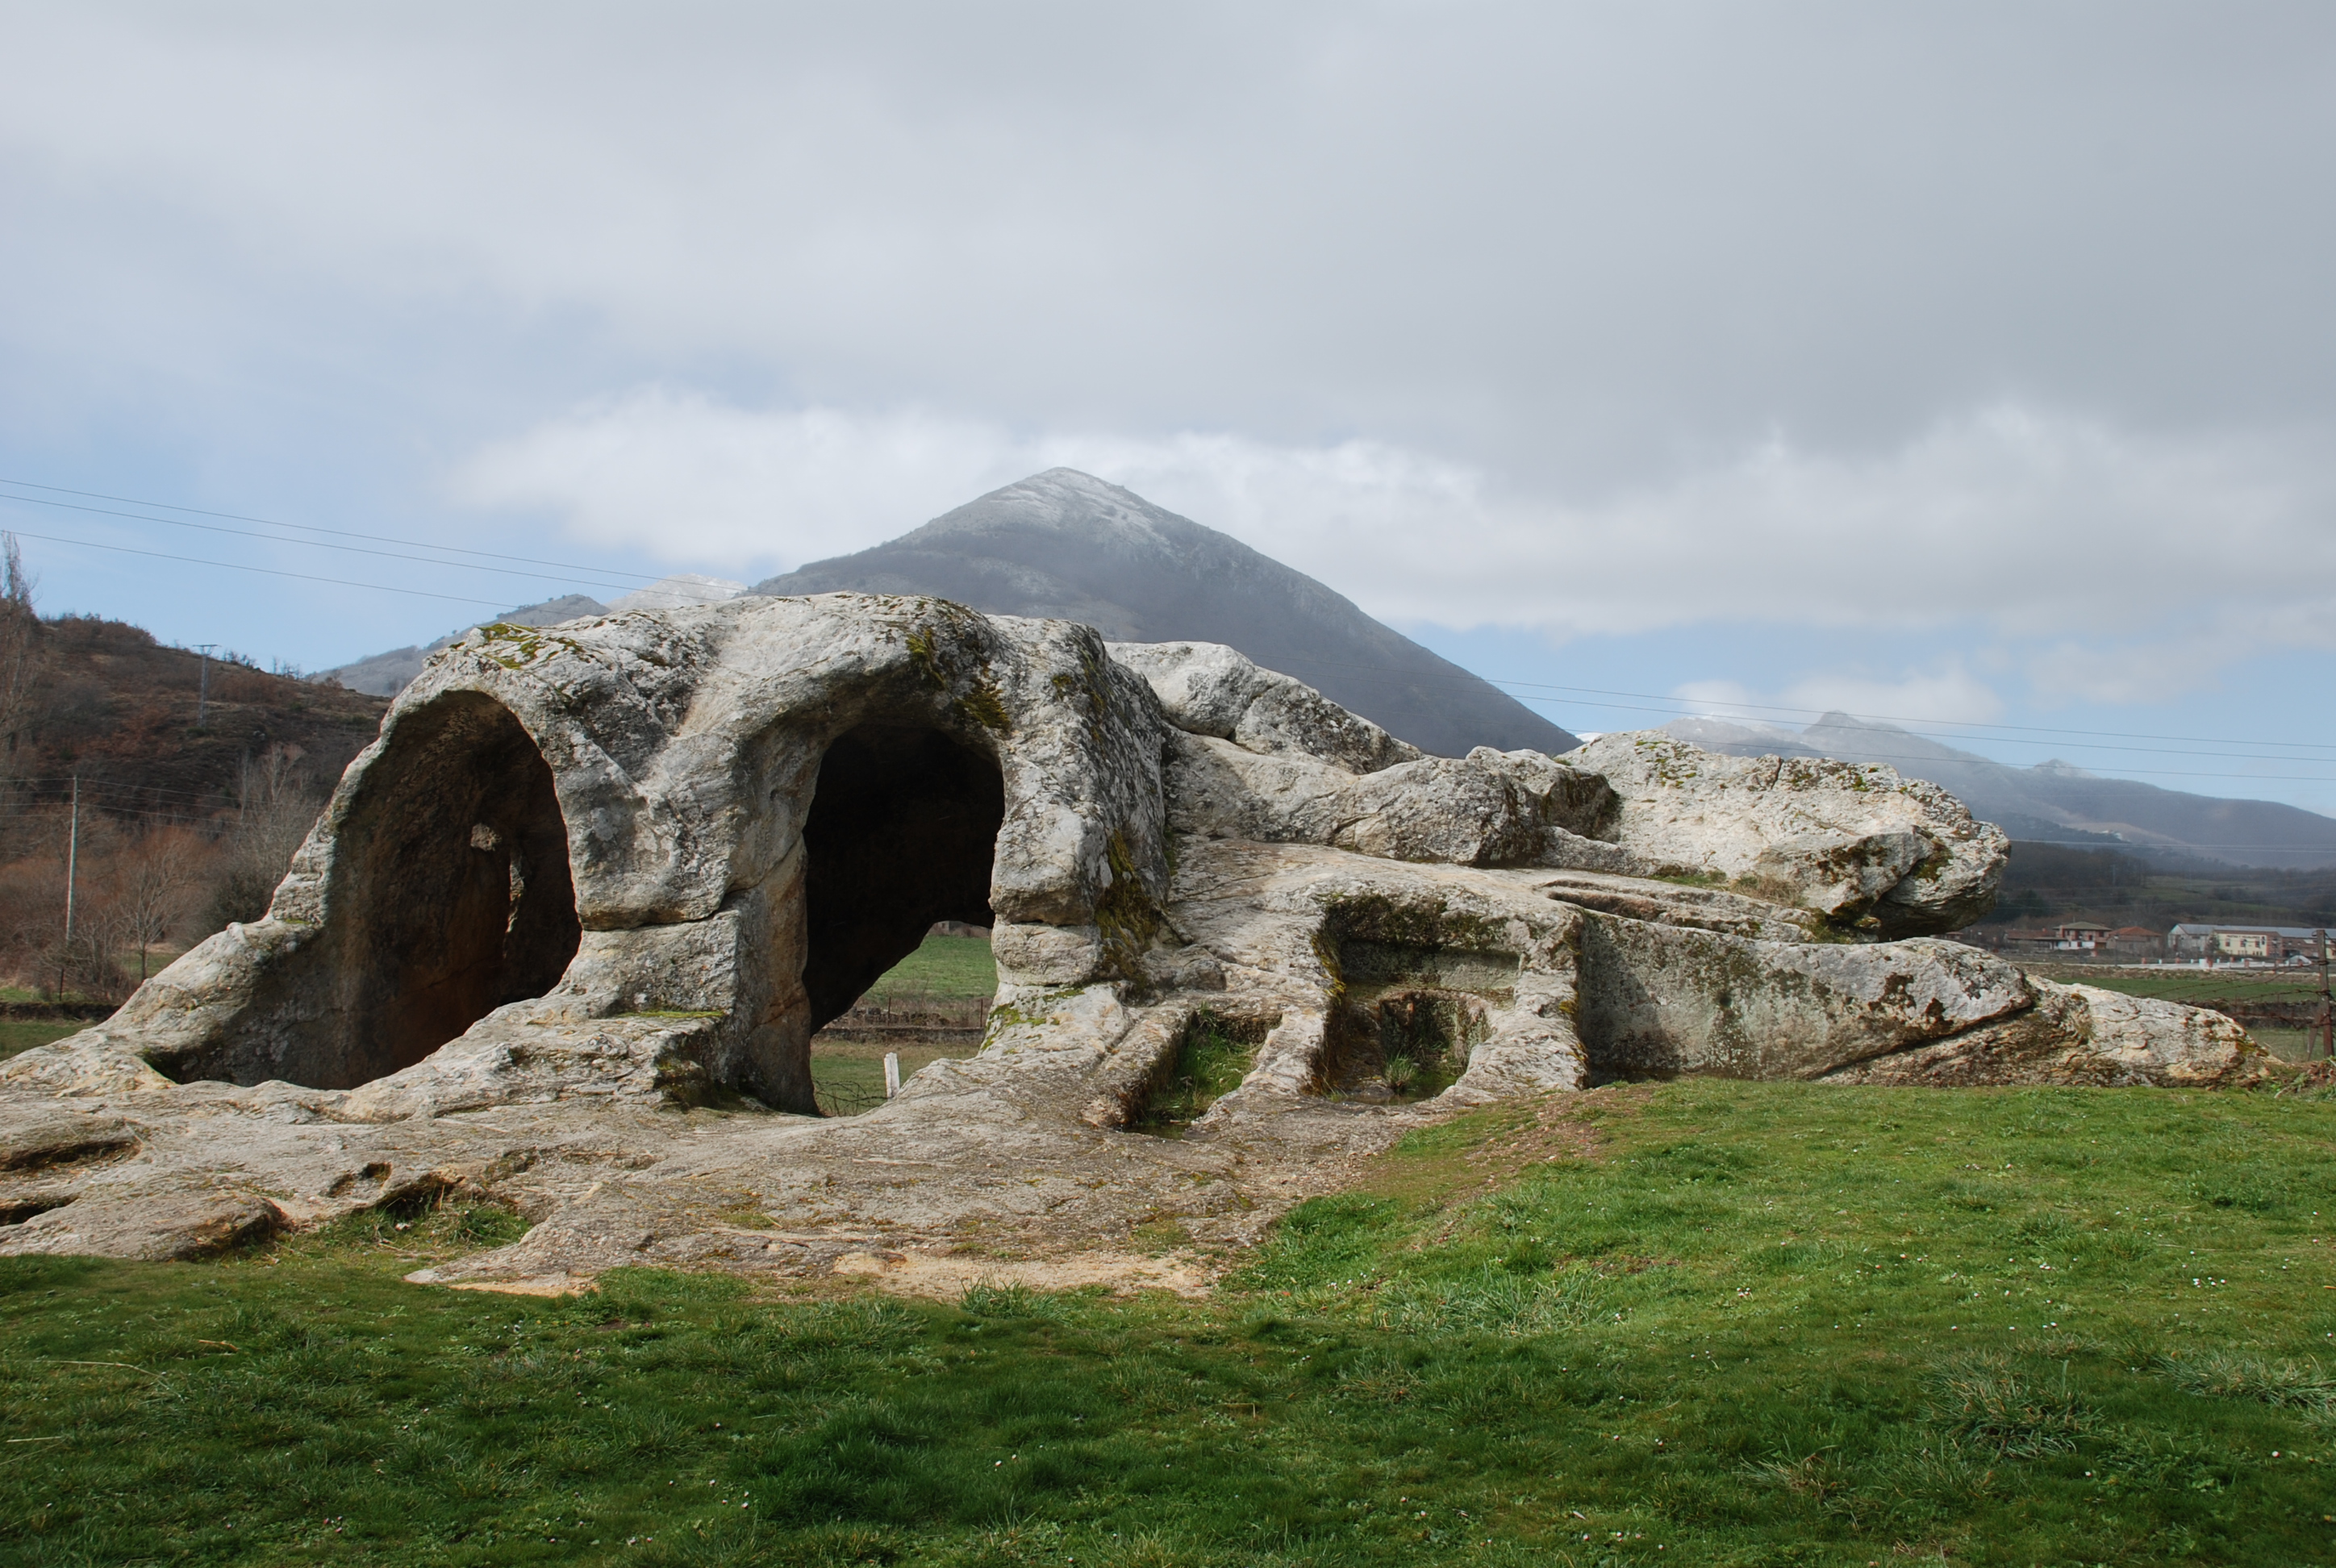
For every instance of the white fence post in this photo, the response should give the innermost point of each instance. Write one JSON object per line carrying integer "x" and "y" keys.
{"x": 891, "y": 1073}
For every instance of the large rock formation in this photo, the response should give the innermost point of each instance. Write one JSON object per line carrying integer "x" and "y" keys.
{"x": 2051, "y": 800}
{"x": 567, "y": 927}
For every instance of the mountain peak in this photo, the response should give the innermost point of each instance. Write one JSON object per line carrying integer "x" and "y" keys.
{"x": 1067, "y": 501}
{"x": 686, "y": 588}
{"x": 1066, "y": 544}
{"x": 1836, "y": 719}
{"x": 1057, "y": 491}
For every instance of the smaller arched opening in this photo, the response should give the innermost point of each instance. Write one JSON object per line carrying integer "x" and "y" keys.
{"x": 451, "y": 894}
{"x": 461, "y": 899}
{"x": 901, "y": 836}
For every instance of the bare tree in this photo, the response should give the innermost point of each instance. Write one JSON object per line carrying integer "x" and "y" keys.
{"x": 278, "y": 802}
{"x": 155, "y": 874}
{"x": 84, "y": 959}
{"x": 90, "y": 963}
{"x": 23, "y": 649}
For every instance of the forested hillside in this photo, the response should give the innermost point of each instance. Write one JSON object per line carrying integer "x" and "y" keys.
{"x": 195, "y": 785}
{"x": 2045, "y": 884}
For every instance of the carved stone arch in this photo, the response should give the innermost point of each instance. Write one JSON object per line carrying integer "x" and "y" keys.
{"x": 448, "y": 895}
{"x": 902, "y": 832}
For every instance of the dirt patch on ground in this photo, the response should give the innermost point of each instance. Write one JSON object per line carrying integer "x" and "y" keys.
{"x": 943, "y": 1276}
{"x": 1548, "y": 1130}
{"x": 535, "y": 1285}
{"x": 948, "y": 1276}
{"x": 1552, "y": 1128}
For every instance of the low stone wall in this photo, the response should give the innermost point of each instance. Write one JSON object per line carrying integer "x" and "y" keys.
{"x": 943, "y": 1022}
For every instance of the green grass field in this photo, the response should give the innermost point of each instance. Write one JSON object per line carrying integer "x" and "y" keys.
{"x": 941, "y": 967}
{"x": 2199, "y": 987}
{"x": 23, "y": 1034}
{"x": 849, "y": 1078}
{"x": 1702, "y": 1322}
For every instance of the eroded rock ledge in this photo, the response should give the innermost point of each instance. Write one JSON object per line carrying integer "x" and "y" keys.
{"x": 564, "y": 933}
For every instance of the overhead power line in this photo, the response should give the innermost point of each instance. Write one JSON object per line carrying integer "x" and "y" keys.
{"x": 1956, "y": 729}
{"x": 2137, "y": 847}
{"x": 1991, "y": 762}
{"x": 1953, "y": 725}
{"x": 1525, "y": 691}
{"x": 1674, "y": 711}
{"x": 263, "y": 571}
{"x": 121, "y": 787}
{"x": 350, "y": 549}
{"x": 312, "y": 528}
{"x": 491, "y": 604}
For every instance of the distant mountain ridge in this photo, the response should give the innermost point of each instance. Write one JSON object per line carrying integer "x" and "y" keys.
{"x": 2052, "y": 801}
{"x": 387, "y": 674}
{"x": 1067, "y": 544}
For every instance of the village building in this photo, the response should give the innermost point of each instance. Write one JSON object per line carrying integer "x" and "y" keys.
{"x": 2198, "y": 941}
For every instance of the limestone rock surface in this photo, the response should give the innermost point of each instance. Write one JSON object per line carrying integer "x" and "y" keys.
{"x": 1207, "y": 688}
{"x": 2080, "y": 1035}
{"x": 1854, "y": 842}
{"x": 563, "y": 936}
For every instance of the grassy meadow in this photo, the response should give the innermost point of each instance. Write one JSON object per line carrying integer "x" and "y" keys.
{"x": 23, "y": 1034}
{"x": 848, "y": 1076}
{"x": 941, "y": 967}
{"x": 2198, "y": 988}
{"x": 1701, "y": 1322}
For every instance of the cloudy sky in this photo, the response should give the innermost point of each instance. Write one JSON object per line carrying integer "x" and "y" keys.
{"x": 1962, "y": 363}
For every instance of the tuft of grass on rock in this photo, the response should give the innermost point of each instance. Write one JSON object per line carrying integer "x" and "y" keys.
{"x": 1212, "y": 1058}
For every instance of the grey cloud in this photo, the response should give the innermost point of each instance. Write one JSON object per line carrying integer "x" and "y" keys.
{"x": 1584, "y": 242}
{"x": 2032, "y": 523}
{"x": 1591, "y": 319}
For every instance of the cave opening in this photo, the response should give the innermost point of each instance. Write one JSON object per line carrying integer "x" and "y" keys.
{"x": 901, "y": 834}
{"x": 451, "y": 892}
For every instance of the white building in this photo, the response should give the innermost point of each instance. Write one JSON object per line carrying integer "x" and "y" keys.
{"x": 2244, "y": 944}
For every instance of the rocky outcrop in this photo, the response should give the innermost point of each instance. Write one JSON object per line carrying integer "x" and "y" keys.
{"x": 1206, "y": 689}
{"x": 565, "y": 930}
{"x": 1873, "y": 853}
{"x": 2078, "y": 1035}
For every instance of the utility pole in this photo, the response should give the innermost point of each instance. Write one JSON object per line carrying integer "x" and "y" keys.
{"x": 203, "y": 692}
{"x": 2327, "y": 1030}
{"x": 73, "y": 857}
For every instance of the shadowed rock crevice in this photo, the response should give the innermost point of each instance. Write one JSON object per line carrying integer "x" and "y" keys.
{"x": 1408, "y": 1016}
{"x": 902, "y": 831}
{"x": 453, "y": 872}
{"x": 451, "y": 896}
